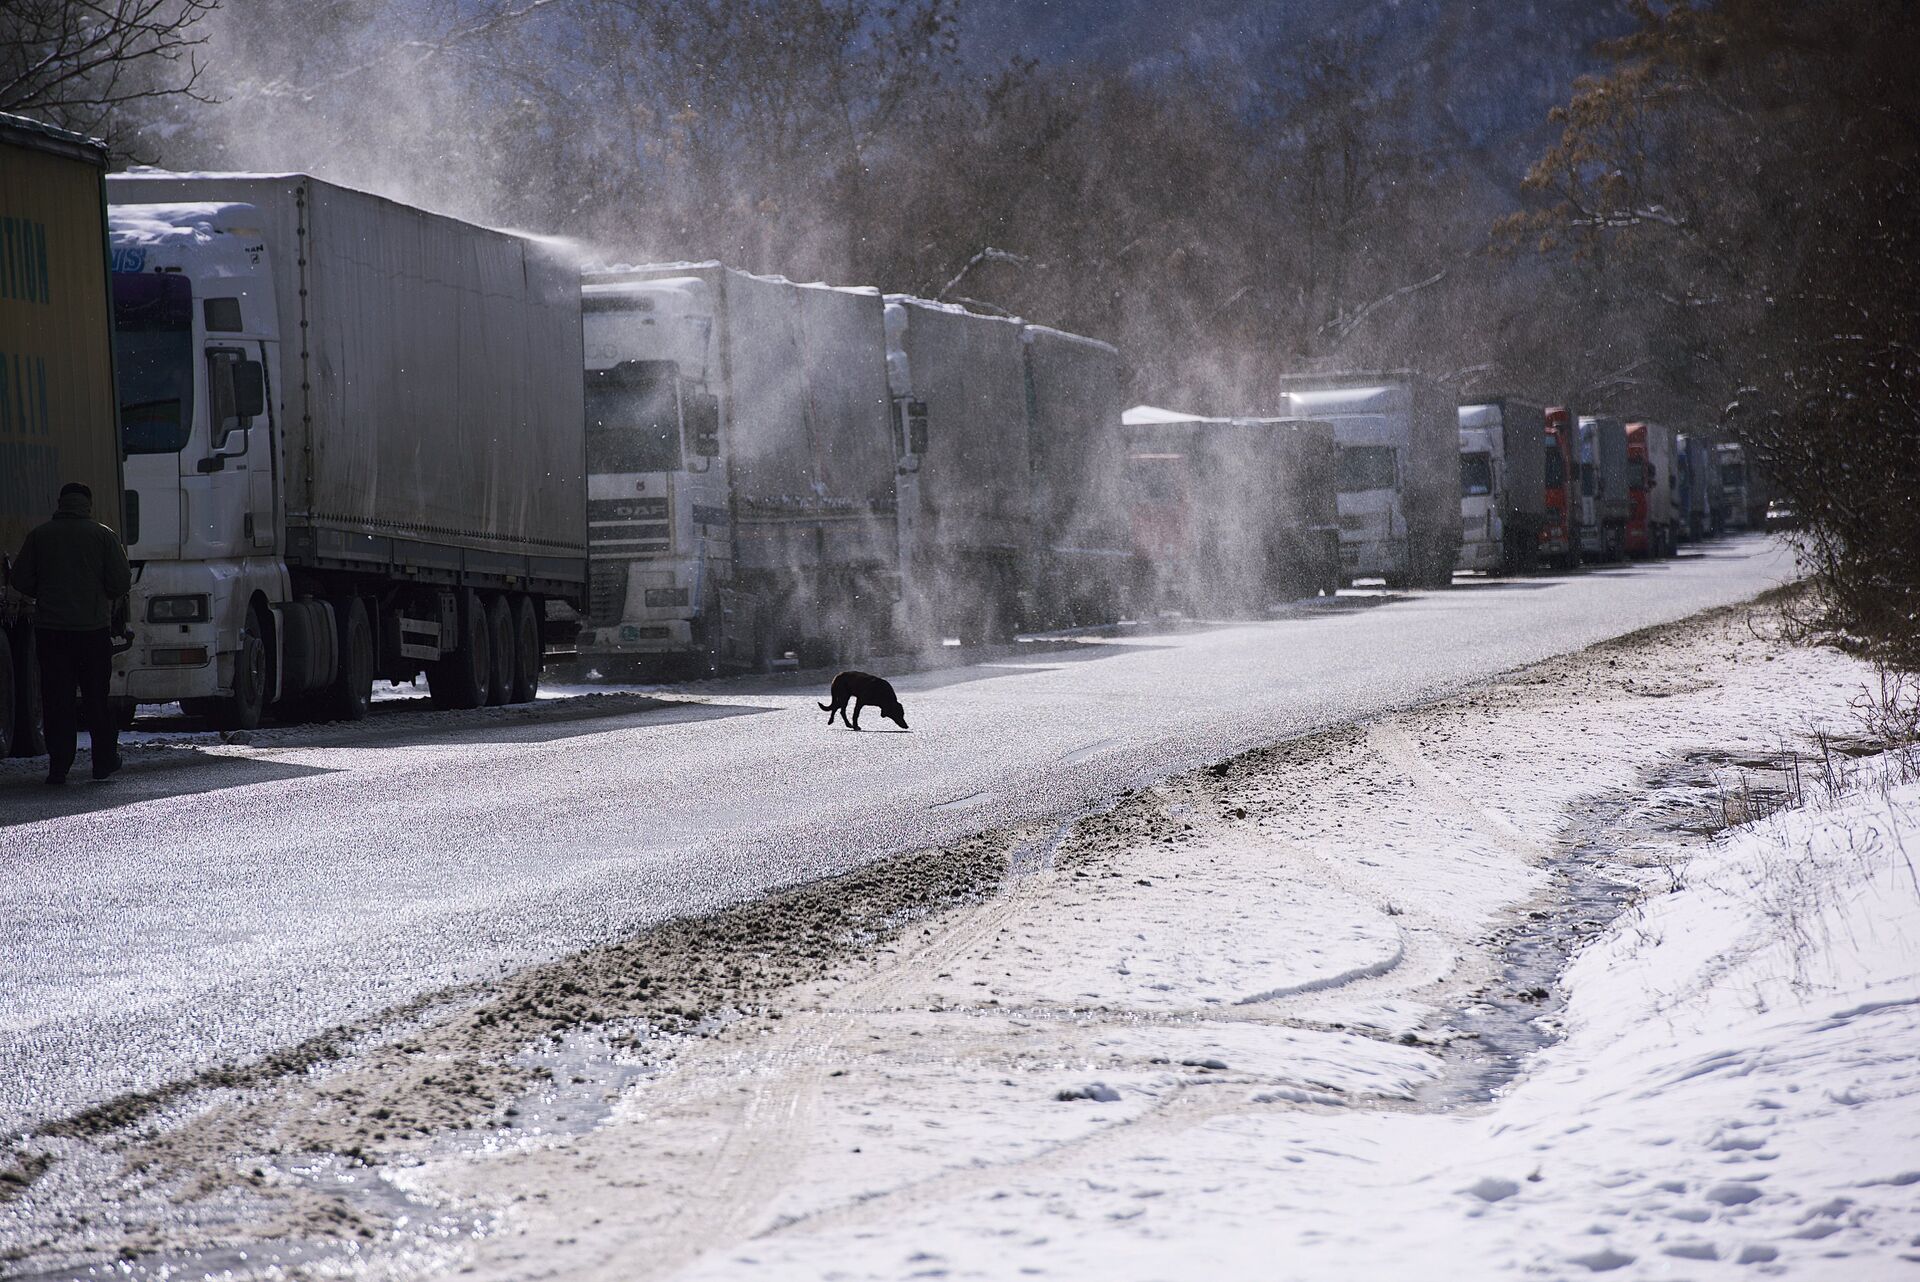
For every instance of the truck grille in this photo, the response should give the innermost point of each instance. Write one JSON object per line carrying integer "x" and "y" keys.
{"x": 606, "y": 593}
{"x": 634, "y": 509}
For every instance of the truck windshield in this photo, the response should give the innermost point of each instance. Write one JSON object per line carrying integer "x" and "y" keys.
{"x": 633, "y": 421}
{"x": 1476, "y": 474}
{"x": 1733, "y": 474}
{"x": 1366, "y": 467}
{"x": 153, "y": 360}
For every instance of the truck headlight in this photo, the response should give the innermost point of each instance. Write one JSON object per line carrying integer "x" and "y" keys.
{"x": 179, "y": 609}
{"x": 666, "y": 597}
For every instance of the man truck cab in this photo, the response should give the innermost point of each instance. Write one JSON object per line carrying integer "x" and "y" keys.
{"x": 195, "y": 330}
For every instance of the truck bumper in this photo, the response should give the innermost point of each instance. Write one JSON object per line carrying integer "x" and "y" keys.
{"x": 643, "y": 636}
{"x": 1373, "y": 559}
{"x": 1481, "y": 554}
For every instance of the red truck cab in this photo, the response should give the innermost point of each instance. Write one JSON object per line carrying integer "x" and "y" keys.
{"x": 1559, "y": 539}
{"x": 1639, "y": 534}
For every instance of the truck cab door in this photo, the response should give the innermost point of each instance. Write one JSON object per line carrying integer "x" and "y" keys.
{"x": 225, "y": 472}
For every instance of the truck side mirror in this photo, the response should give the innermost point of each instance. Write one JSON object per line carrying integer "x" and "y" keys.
{"x": 703, "y": 424}
{"x": 249, "y": 389}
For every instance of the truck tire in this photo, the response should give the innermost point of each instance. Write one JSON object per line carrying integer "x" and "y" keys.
{"x": 28, "y": 737}
{"x": 351, "y": 694}
{"x": 527, "y": 653}
{"x": 500, "y": 647}
{"x": 243, "y": 709}
{"x": 460, "y": 679}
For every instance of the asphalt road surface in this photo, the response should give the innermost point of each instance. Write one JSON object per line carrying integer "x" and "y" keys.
{"x": 215, "y": 902}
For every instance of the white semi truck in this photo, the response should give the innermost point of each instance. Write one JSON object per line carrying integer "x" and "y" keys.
{"x": 1398, "y": 472}
{"x": 354, "y": 447}
{"x": 743, "y": 451}
{"x": 1503, "y": 493}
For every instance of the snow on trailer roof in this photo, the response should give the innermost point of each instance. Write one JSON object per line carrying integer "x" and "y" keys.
{"x": 148, "y": 174}
{"x": 1070, "y": 337}
{"x": 1151, "y": 415}
{"x": 637, "y": 272}
{"x": 951, "y": 309}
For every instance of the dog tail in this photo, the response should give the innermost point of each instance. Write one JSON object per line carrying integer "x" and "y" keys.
{"x": 824, "y": 707}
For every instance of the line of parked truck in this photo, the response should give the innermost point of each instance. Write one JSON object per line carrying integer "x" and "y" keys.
{"x": 357, "y": 441}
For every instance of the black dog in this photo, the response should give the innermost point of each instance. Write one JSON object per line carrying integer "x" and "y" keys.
{"x": 861, "y": 689}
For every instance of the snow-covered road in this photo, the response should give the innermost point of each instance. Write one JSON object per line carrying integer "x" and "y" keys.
{"x": 219, "y": 901}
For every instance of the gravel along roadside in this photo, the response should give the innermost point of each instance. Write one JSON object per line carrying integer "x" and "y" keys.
{"x": 1371, "y": 919}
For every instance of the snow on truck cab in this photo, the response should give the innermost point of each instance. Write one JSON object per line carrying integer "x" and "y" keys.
{"x": 336, "y": 470}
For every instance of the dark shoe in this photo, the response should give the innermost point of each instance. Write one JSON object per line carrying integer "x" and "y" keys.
{"x": 102, "y": 769}
{"x": 56, "y": 781}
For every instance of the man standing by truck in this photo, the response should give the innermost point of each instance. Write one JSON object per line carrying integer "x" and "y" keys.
{"x": 76, "y": 571}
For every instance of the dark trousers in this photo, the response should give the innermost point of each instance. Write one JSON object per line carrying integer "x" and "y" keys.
{"x": 82, "y": 663}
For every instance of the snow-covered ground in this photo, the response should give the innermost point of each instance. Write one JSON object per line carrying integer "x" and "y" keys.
{"x": 1736, "y": 1094}
{"x": 1220, "y": 1031}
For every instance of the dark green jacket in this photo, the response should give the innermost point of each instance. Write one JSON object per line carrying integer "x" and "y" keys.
{"x": 74, "y": 569}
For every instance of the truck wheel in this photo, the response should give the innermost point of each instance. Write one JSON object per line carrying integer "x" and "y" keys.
{"x": 243, "y": 708}
{"x": 526, "y": 652}
{"x": 460, "y": 679}
{"x": 351, "y": 693}
{"x": 499, "y": 650}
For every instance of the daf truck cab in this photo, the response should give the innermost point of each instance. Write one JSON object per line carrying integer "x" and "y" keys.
{"x": 657, "y": 512}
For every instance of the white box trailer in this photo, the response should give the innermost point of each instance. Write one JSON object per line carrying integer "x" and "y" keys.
{"x": 1399, "y": 471}
{"x": 966, "y": 517}
{"x": 1503, "y": 494}
{"x": 355, "y": 446}
{"x": 1084, "y": 567}
{"x": 743, "y": 469}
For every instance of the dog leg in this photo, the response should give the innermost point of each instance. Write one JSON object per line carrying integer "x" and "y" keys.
{"x": 857, "y": 705}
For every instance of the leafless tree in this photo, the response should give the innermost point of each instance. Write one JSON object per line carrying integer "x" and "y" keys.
{"x": 79, "y": 63}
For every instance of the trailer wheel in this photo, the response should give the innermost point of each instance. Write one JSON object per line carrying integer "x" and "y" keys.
{"x": 499, "y": 650}
{"x": 527, "y": 654}
{"x": 351, "y": 693}
{"x": 460, "y": 679}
